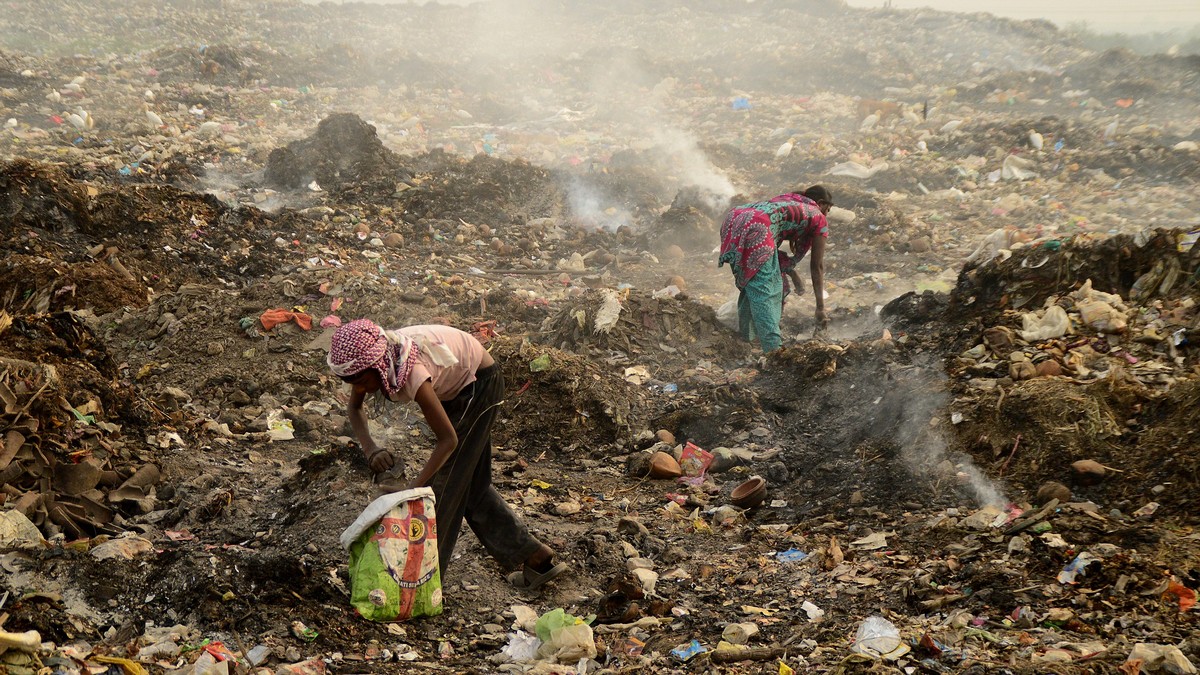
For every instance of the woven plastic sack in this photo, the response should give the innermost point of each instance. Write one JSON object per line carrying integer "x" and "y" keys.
{"x": 394, "y": 573}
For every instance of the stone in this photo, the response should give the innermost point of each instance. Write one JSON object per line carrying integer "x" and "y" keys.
{"x": 1049, "y": 368}
{"x": 215, "y": 348}
{"x": 393, "y": 240}
{"x": 674, "y": 253}
{"x": 724, "y": 459}
{"x": 647, "y": 578}
{"x": 739, "y": 633}
{"x": 1022, "y": 371}
{"x": 663, "y": 465}
{"x": 678, "y": 282}
{"x": 1053, "y": 490}
{"x": 632, "y": 527}
{"x": 639, "y": 564}
{"x": 920, "y": 245}
{"x": 567, "y": 508}
{"x": 664, "y": 436}
{"x": 1088, "y": 472}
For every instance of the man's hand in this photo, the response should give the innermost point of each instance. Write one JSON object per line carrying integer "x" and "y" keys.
{"x": 379, "y": 459}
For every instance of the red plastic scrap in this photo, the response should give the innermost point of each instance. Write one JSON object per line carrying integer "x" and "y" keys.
{"x": 274, "y": 317}
{"x": 1187, "y": 597}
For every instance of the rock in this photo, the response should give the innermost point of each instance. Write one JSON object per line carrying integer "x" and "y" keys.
{"x": 999, "y": 339}
{"x": 664, "y": 436}
{"x": 215, "y": 348}
{"x": 674, "y": 253}
{"x": 1048, "y": 368}
{"x": 841, "y": 216}
{"x": 1088, "y": 472}
{"x": 647, "y": 578}
{"x": 362, "y": 229}
{"x": 393, "y": 240}
{"x": 664, "y": 466}
{"x": 1022, "y": 371}
{"x": 1053, "y": 490}
{"x": 123, "y": 548}
{"x": 639, "y": 564}
{"x": 920, "y": 245}
{"x": 1061, "y": 614}
{"x": 239, "y": 397}
{"x": 567, "y": 508}
{"x": 724, "y": 459}
{"x": 674, "y": 554}
{"x": 776, "y": 473}
{"x": 856, "y": 497}
{"x": 739, "y": 633}
{"x": 633, "y": 528}
{"x": 678, "y": 282}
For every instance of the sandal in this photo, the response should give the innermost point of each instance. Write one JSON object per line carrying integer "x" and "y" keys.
{"x": 528, "y": 580}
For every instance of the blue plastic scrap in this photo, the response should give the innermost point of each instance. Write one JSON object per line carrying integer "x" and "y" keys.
{"x": 688, "y": 651}
{"x": 791, "y": 555}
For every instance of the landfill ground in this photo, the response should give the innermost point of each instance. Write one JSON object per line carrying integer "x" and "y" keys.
{"x": 995, "y": 445}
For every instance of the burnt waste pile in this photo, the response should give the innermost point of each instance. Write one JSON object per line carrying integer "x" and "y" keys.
{"x": 985, "y": 463}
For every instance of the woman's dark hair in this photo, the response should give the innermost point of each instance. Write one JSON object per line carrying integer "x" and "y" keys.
{"x": 819, "y": 193}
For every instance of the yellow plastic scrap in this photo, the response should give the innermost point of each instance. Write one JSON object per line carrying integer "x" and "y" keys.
{"x": 785, "y": 669}
{"x": 127, "y": 666}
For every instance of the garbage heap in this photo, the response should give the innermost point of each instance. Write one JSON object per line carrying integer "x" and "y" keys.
{"x": 1091, "y": 345}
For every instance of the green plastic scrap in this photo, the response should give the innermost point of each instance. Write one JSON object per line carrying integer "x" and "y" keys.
{"x": 540, "y": 363}
{"x": 557, "y": 619}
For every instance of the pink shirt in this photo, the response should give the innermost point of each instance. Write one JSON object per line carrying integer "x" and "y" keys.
{"x": 450, "y": 380}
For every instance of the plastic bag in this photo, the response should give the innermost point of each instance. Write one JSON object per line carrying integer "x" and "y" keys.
{"x": 394, "y": 574}
{"x": 877, "y": 637}
{"x": 727, "y": 314}
{"x": 1101, "y": 316}
{"x": 565, "y": 638}
{"x": 1053, "y": 324}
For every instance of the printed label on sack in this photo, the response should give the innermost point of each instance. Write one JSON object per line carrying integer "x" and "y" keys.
{"x": 402, "y": 545}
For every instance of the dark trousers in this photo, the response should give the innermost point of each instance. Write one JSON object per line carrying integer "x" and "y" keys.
{"x": 463, "y": 486}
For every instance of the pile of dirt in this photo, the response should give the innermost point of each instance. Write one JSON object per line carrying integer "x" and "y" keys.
{"x": 148, "y": 234}
{"x": 483, "y": 190}
{"x": 71, "y": 459}
{"x": 692, "y": 222}
{"x": 878, "y": 404}
{"x": 40, "y": 196}
{"x": 1034, "y": 273}
{"x": 1033, "y": 431}
{"x": 1120, "y": 73}
{"x": 40, "y": 285}
{"x": 343, "y": 153}
{"x": 664, "y": 329}
{"x": 563, "y": 403}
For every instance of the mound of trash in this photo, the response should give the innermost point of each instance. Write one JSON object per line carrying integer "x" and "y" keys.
{"x": 72, "y": 460}
{"x": 640, "y": 326}
{"x": 344, "y": 152}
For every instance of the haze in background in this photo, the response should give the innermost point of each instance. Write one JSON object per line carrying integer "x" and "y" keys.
{"x": 1119, "y": 16}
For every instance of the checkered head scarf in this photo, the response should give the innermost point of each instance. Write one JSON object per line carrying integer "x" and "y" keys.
{"x": 362, "y": 344}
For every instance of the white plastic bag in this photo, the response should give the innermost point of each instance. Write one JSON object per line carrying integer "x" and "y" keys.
{"x": 1054, "y": 323}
